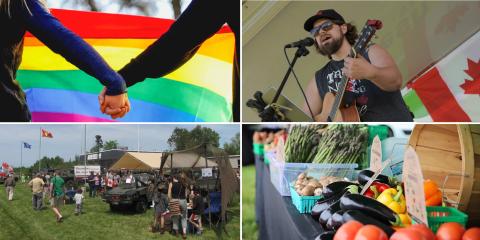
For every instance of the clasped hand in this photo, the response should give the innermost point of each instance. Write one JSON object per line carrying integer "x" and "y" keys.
{"x": 115, "y": 106}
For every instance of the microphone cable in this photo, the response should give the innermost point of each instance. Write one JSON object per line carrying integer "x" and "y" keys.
{"x": 298, "y": 83}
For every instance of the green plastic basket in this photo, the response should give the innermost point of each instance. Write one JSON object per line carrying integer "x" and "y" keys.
{"x": 439, "y": 215}
{"x": 304, "y": 204}
{"x": 380, "y": 130}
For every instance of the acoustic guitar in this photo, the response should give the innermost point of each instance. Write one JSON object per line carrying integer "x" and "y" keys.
{"x": 334, "y": 109}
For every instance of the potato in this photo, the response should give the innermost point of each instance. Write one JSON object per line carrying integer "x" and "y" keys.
{"x": 318, "y": 191}
{"x": 302, "y": 176}
{"x": 308, "y": 191}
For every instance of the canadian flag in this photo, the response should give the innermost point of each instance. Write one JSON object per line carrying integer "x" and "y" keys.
{"x": 450, "y": 90}
{"x": 47, "y": 134}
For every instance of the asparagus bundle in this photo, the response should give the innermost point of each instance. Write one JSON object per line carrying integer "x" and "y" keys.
{"x": 342, "y": 143}
{"x": 302, "y": 142}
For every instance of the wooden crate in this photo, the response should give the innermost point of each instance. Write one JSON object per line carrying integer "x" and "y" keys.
{"x": 454, "y": 151}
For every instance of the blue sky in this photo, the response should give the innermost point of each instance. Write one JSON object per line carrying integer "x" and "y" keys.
{"x": 68, "y": 139}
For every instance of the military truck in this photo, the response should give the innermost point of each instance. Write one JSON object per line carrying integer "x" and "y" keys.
{"x": 135, "y": 194}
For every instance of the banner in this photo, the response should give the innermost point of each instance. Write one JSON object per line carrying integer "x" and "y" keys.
{"x": 57, "y": 91}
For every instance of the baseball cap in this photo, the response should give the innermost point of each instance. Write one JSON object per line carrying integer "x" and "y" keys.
{"x": 327, "y": 13}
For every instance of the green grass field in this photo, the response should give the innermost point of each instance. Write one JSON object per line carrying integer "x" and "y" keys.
{"x": 249, "y": 226}
{"x": 19, "y": 221}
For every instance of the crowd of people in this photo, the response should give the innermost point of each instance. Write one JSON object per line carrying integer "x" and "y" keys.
{"x": 175, "y": 198}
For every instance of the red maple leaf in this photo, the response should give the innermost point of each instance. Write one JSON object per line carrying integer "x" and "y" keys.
{"x": 472, "y": 86}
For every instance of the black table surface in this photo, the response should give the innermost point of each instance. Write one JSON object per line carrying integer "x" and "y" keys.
{"x": 277, "y": 217}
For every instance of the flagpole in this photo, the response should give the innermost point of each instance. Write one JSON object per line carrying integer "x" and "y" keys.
{"x": 40, "y": 150}
{"x": 85, "y": 150}
{"x": 138, "y": 138}
{"x": 21, "y": 158}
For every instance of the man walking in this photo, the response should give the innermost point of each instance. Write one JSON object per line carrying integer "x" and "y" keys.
{"x": 10, "y": 186}
{"x": 37, "y": 190}
{"x": 57, "y": 193}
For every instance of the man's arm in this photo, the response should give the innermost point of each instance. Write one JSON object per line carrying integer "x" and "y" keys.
{"x": 313, "y": 97}
{"x": 381, "y": 70}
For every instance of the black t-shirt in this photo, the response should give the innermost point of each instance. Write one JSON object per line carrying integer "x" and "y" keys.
{"x": 198, "y": 205}
{"x": 178, "y": 190}
{"x": 373, "y": 104}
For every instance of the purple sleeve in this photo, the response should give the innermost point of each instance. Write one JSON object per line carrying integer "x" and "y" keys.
{"x": 58, "y": 38}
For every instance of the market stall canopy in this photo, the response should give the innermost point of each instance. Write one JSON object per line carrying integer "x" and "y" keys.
{"x": 151, "y": 160}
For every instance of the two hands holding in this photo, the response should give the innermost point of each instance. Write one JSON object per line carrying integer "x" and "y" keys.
{"x": 115, "y": 106}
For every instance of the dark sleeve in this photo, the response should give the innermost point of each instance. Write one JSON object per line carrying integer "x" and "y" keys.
{"x": 197, "y": 23}
{"x": 53, "y": 34}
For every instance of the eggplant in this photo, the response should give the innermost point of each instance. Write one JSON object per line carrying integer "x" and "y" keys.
{"x": 365, "y": 175}
{"x": 322, "y": 205}
{"x": 328, "y": 235}
{"x": 364, "y": 219}
{"x": 369, "y": 206}
{"x": 336, "y": 220}
{"x": 323, "y": 219}
{"x": 336, "y": 187}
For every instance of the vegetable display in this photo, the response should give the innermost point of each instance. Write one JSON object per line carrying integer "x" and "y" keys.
{"x": 342, "y": 144}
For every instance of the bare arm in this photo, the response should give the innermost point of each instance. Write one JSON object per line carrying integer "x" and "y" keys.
{"x": 386, "y": 74}
{"x": 313, "y": 97}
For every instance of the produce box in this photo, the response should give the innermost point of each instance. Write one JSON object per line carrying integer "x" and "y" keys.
{"x": 303, "y": 204}
{"x": 282, "y": 174}
{"x": 439, "y": 215}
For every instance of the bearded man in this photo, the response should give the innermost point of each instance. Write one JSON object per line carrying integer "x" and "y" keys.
{"x": 374, "y": 78}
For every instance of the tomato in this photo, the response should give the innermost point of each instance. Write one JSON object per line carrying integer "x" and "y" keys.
{"x": 450, "y": 231}
{"x": 472, "y": 234}
{"x": 407, "y": 234}
{"x": 371, "y": 232}
{"x": 348, "y": 230}
{"x": 423, "y": 230}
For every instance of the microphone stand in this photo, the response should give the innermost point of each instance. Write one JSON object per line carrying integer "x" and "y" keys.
{"x": 269, "y": 114}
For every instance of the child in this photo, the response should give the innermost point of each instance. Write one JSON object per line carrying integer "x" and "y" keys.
{"x": 161, "y": 206}
{"x": 198, "y": 207}
{"x": 78, "y": 201}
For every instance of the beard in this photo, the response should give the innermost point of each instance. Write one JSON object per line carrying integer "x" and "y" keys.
{"x": 331, "y": 47}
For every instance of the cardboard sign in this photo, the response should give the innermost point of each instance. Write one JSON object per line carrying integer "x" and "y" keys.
{"x": 376, "y": 155}
{"x": 207, "y": 172}
{"x": 414, "y": 192}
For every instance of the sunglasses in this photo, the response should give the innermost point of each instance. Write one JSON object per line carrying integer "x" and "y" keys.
{"x": 327, "y": 25}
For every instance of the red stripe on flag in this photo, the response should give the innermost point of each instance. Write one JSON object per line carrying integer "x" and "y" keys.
{"x": 108, "y": 25}
{"x": 438, "y": 99}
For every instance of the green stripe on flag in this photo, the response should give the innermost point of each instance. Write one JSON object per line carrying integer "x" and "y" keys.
{"x": 415, "y": 104}
{"x": 192, "y": 99}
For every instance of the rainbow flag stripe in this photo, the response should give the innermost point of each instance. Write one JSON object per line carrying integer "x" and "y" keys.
{"x": 201, "y": 90}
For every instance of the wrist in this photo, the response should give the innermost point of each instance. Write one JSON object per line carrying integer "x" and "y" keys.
{"x": 371, "y": 72}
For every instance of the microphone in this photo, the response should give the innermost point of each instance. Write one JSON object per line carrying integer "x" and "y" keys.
{"x": 307, "y": 42}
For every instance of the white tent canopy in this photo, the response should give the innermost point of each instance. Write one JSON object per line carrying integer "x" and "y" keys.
{"x": 151, "y": 160}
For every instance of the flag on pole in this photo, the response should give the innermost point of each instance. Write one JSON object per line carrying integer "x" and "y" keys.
{"x": 47, "y": 134}
{"x": 449, "y": 91}
{"x": 26, "y": 145}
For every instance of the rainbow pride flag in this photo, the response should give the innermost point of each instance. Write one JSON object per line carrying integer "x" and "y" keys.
{"x": 57, "y": 91}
